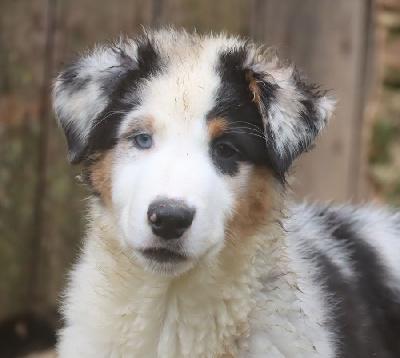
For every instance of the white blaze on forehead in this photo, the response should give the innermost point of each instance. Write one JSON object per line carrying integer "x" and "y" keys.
{"x": 186, "y": 91}
{"x": 187, "y": 87}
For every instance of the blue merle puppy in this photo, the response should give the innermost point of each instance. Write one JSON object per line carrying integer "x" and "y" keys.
{"x": 192, "y": 248}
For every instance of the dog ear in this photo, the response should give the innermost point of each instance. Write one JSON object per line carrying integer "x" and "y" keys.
{"x": 80, "y": 96}
{"x": 294, "y": 112}
{"x": 91, "y": 95}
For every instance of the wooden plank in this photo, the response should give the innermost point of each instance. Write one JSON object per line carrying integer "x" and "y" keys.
{"x": 369, "y": 87}
{"x": 22, "y": 73}
{"x": 232, "y": 16}
{"x": 327, "y": 39}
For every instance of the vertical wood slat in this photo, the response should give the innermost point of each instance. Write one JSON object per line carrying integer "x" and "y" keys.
{"x": 232, "y": 16}
{"x": 327, "y": 39}
{"x": 35, "y": 290}
{"x": 22, "y": 69}
{"x": 369, "y": 86}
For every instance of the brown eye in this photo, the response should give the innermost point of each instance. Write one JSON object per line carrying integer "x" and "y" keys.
{"x": 225, "y": 151}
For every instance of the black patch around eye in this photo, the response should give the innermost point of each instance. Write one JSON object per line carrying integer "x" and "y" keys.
{"x": 225, "y": 151}
{"x": 235, "y": 103}
{"x": 225, "y": 156}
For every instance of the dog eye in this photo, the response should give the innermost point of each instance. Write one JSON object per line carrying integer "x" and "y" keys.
{"x": 223, "y": 150}
{"x": 143, "y": 141}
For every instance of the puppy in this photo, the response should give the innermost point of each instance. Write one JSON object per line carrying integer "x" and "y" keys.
{"x": 192, "y": 248}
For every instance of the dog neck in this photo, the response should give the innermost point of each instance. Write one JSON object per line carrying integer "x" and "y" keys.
{"x": 206, "y": 309}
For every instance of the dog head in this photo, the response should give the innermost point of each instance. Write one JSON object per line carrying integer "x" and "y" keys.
{"x": 186, "y": 138}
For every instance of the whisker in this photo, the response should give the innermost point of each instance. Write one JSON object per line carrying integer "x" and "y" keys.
{"x": 106, "y": 116}
{"x": 247, "y": 130}
{"x": 249, "y": 124}
{"x": 243, "y": 132}
{"x": 235, "y": 240}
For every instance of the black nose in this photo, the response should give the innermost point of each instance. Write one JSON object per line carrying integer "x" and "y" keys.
{"x": 169, "y": 218}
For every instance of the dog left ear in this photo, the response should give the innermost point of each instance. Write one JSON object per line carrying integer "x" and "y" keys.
{"x": 92, "y": 95}
{"x": 294, "y": 111}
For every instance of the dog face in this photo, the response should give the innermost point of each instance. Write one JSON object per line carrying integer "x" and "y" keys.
{"x": 186, "y": 139}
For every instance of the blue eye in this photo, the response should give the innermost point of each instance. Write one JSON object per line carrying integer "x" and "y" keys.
{"x": 143, "y": 141}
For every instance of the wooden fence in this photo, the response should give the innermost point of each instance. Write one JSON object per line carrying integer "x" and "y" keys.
{"x": 42, "y": 209}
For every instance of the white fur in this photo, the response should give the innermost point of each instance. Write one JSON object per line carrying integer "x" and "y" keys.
{"x": 115, "y": 309}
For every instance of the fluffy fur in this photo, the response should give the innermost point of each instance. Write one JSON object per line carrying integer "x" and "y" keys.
{"x": 192, "y": 248}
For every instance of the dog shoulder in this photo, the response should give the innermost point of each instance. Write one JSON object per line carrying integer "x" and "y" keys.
{"x": 352, "y": 254}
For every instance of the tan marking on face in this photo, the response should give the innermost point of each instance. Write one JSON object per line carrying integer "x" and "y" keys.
{"x": 100, "y": 176}
{"x": 254, "y": 89}
{"x": 255, "y": 207}
{"x": 216, "y": 127}
{"x": 145, "y": 124}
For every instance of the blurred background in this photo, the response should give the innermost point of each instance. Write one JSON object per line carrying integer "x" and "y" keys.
{"x": 351, "y": 47}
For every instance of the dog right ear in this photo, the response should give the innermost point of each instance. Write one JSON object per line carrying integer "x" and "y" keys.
{"x": 90, "y": 96}
{"x": 80, "y": 96}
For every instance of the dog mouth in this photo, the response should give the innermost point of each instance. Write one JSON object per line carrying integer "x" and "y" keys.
{"x": 163, "y": 255}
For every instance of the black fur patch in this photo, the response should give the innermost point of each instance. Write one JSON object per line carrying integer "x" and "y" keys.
{"x": 366, "y": 313}
{"x": 235, "y": 104}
